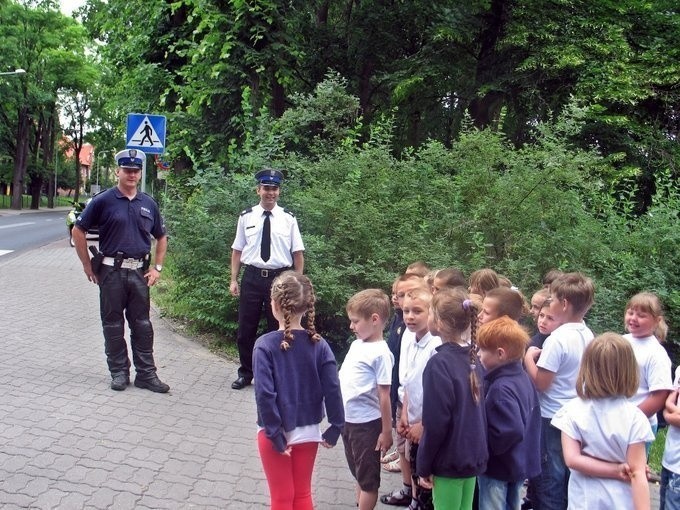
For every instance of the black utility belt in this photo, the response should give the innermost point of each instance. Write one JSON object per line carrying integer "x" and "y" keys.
{"x": 265, "y": 273}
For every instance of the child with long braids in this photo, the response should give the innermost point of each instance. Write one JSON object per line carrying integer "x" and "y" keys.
{"x": 296, "y": 376}
{"x": 453, "y": 449}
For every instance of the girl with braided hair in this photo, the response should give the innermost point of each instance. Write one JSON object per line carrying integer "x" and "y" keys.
{"x": 296, "y": 378}
{"x": 453, "y": 448}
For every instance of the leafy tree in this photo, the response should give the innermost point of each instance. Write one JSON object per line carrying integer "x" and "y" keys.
{"x": 51, "y": 48}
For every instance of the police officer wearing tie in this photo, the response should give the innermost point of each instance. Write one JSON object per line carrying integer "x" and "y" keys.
{"x": 127, "y": 219}
{"x": 267, "y": 243}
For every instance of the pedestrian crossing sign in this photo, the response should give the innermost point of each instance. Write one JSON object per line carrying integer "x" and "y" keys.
{"x": 146, "y": 132}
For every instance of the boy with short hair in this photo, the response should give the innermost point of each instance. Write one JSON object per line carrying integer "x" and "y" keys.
{"x": 365, "y": 378}
{"x": 554, "y": 375}
{"x": 404, "y": 284}
{"x": 513, "y": 415}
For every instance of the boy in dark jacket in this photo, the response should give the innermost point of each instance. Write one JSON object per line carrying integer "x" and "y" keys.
{"x": 513, "y": 415}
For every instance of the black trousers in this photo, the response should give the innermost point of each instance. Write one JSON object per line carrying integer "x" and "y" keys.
{"x": 124, "y": 294}
{"x": 255, "y": 298}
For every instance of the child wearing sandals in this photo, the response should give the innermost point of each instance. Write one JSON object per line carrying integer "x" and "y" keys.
{"x": 296, "y": 377}
{"x": 603, "y": 433}
{"x": 452, "y": 452}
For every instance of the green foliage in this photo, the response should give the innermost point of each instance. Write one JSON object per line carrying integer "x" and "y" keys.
{"x": 366, "y": 214}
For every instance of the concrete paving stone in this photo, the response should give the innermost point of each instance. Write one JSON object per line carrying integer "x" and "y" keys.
{"x": 52, "y": 498}
{"x": 102, "y": 498}
{"x": 186, "y": 468}
{"x": 74, "y": 500}
{"x": 12, "y": 463}
{"x": 74, "y": 488}
{"x": 12, "y": 499}
{"x": 126, "y": 500}
{"x": 36, "y": 486}
{"x": 15, "y": 482}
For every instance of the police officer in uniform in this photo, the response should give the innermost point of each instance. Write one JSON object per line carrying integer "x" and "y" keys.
{"x": 267, "y": 243}
{"x": 126, "y": 220}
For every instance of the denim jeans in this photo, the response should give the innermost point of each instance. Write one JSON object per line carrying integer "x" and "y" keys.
{"x": 549, "y": 489}
{"x": 498, "y": 495}
{"x": 669, "y": 490}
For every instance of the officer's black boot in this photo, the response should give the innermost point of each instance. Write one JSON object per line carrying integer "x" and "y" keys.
{"x": 142, "y": 356}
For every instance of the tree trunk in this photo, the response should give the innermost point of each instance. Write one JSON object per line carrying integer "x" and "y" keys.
{"x": 485, "y": 110}
{"x": 20, "y": 158}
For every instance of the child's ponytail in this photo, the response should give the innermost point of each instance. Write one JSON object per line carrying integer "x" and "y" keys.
{"x": 475, "y": 384}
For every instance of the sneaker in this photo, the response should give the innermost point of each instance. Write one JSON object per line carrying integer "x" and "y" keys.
{"x": 392, "y": 467}
{"x": 153, "y": 383}
{"x": 119, "y": 382}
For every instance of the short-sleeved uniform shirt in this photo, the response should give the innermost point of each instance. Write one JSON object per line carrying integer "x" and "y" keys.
{"x": 285, "y": 237}
{"x": 124, "y": 225}
{"x": 367, "y": 365}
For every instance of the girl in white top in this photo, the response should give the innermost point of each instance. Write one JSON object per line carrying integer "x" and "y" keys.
{"x": 647, "y": 328}
{"x": 603, "y": 433}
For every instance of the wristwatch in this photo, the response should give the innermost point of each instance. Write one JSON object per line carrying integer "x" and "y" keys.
{"x": 158, "y": 267}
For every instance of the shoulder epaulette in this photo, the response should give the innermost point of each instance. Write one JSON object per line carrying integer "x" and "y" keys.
{"x": 287, "y": 211}
{"x": 246, "y": 211}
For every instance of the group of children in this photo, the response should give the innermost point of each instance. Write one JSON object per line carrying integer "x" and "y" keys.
{"x": 478, "y": 405}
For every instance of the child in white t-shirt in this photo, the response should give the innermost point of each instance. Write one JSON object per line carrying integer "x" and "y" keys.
{"x": 365, "y": 378}
{"x": 647, "y": 328}
{"x": 553, "y": 370}
{"x": 669, "y": 496}
{"x": 603, "y": 433}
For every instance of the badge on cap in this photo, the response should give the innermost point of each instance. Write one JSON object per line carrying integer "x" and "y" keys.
{"x": 269, "y": 177}
{"x": 130, "y": 158}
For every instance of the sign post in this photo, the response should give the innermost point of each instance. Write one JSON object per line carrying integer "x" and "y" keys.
{"x": 146, "y": 132}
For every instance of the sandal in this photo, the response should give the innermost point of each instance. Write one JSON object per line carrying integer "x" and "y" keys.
{"x": 392, "y": 467}
{"x": 390, "y": 457}
{"x": 396, "y": 498}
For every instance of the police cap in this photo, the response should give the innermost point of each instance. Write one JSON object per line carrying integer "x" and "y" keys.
{"x": 269, "y": 177}
{"x": 130, "y": 158}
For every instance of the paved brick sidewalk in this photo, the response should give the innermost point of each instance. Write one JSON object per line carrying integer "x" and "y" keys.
{"x": 67, "y": 441}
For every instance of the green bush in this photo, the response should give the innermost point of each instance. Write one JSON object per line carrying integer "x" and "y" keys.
{"x": 365, "y": 214}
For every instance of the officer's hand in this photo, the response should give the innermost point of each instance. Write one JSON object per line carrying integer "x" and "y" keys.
{"x": 233, "y": 289}
{"x": 91, "y": 276}
{"x": 152, "y": 277}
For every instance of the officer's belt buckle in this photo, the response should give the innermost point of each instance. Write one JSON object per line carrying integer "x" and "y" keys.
{"x": 264, "y": 273}
{"x": 131, "y": 263}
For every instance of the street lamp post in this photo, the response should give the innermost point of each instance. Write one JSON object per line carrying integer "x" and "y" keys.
{"x": 16, "y": 72}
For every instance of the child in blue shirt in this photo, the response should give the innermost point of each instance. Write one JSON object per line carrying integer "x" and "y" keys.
{"x": 513, "y": 415}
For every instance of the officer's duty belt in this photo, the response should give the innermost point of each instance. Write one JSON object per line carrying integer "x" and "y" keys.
{"x": 265, "y": 273}
{"x": 125, "y": 264}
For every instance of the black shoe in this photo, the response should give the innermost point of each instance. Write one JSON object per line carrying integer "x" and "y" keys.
{"x": 241, "y": 383}
{"x": 119, "y": 382}
{"x": 153, "y": 383}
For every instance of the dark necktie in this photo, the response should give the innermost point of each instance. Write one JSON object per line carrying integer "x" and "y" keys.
{"x": 265, "y": 245}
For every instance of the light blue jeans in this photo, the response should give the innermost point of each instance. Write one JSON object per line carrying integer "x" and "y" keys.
{"x": 498, "y": 495}
{"x": 549, "y": 489}
{"x": 669, "y": 494}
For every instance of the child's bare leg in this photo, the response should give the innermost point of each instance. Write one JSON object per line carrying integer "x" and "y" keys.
{"x": 367, "y": 500}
